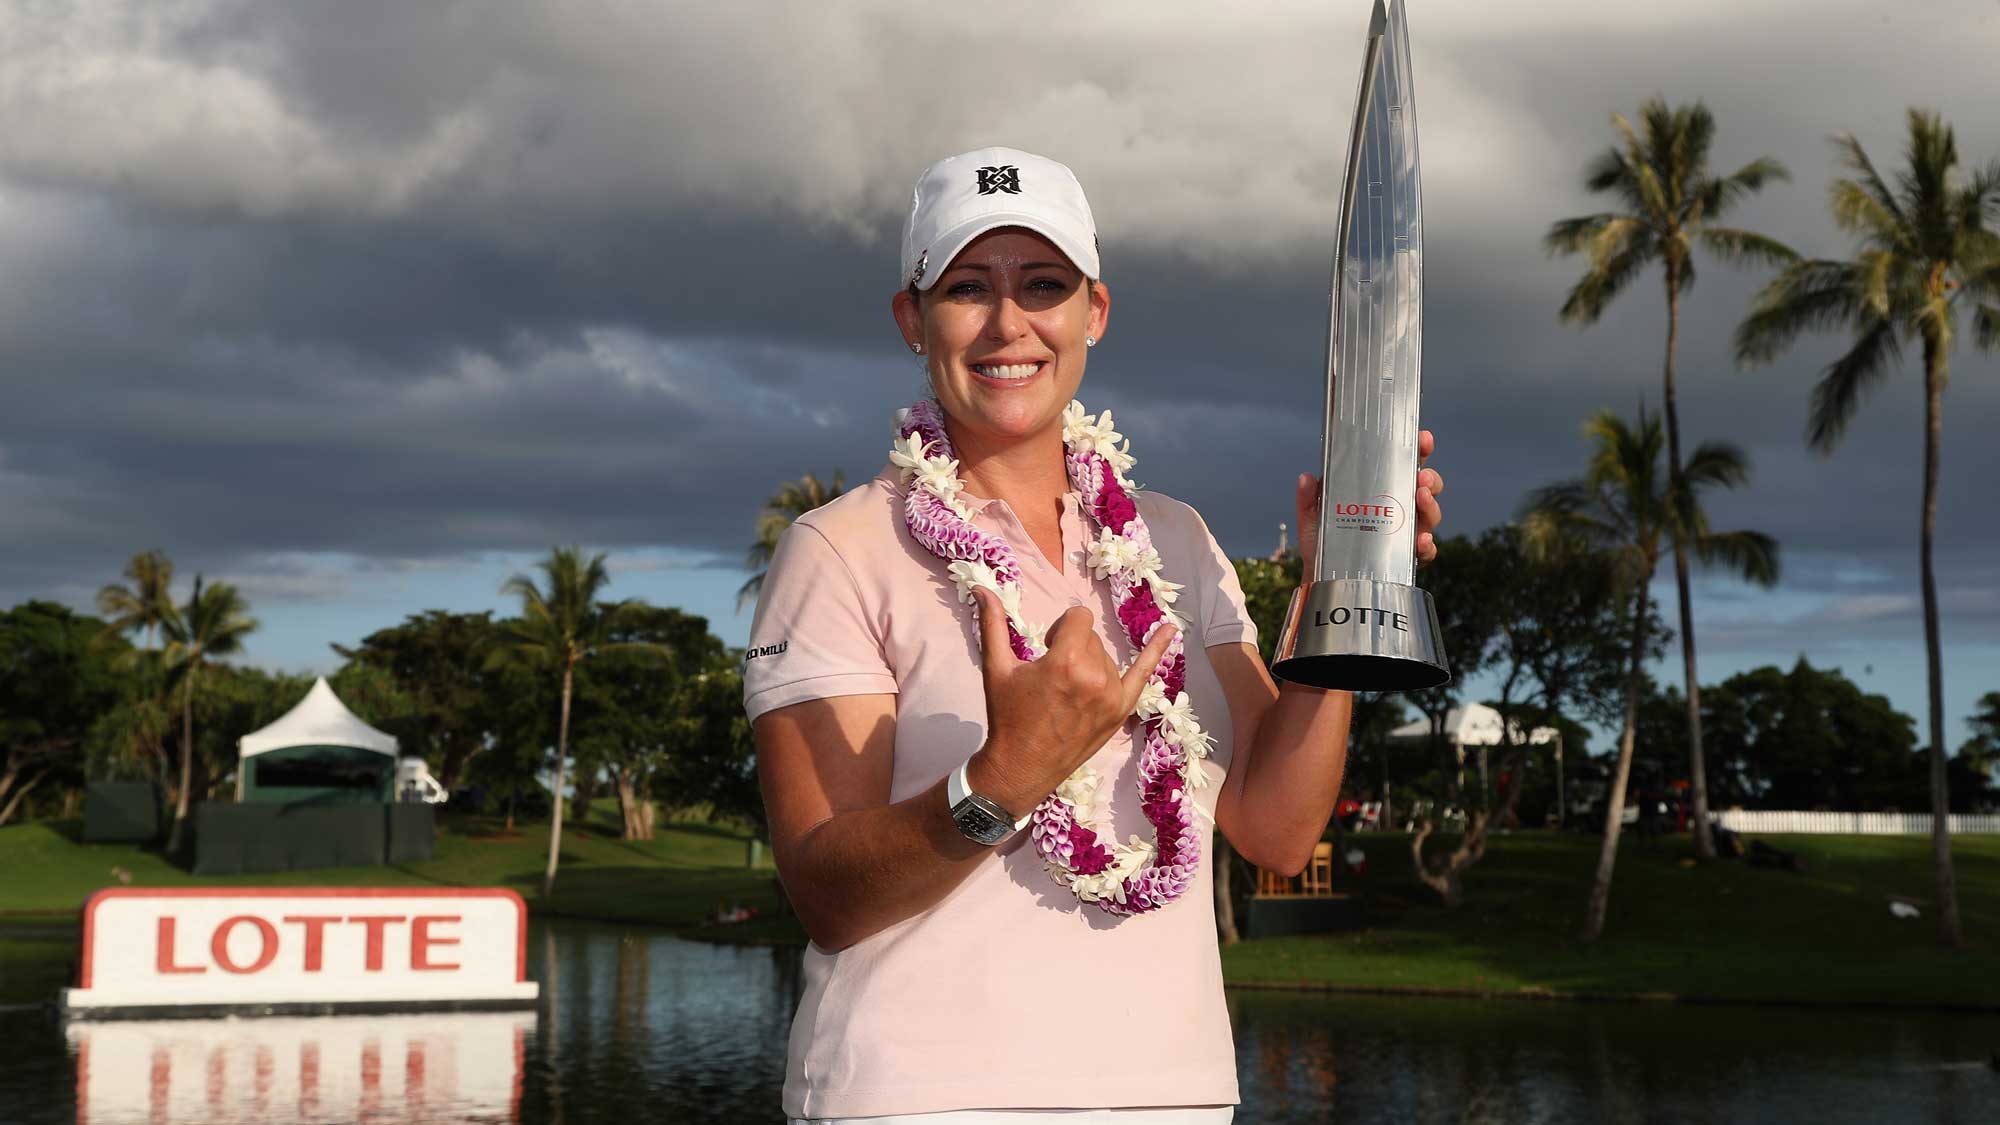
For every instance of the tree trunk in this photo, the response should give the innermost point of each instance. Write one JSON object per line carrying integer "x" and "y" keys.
{"x": 1225, "y": 905}
{"x": 1948, "y": 933}
{"x": 1607, "y": 857}
{"x": 13, "y": 803}
{"x": 628, "y": 805}
{"x": 646, "y": 815}
{"x": 1445, "y": 874}
{"x": 187, "y": 762}
{"x": 1704, "y": 840}
{"x": 562, "y": 767}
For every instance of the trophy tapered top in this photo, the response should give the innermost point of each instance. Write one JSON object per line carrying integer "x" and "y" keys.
{"x": 1375, "y": 336}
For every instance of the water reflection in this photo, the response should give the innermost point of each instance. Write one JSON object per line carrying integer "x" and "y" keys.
{"x": 635, "y": 1027}
{"x": 1305, "y": 1057}
{"x": 428, "y": 1068}
{"x": 640, "y": 1027}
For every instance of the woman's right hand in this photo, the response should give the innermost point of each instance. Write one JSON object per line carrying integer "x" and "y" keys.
{"x": 1046, "y": 717}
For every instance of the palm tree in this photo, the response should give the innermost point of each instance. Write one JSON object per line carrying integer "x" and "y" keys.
{"x": 142, "y": 606}
{"x": 1924, "y": 250}
{"x": 213, "y": 623}
{"x": 1624, "y": 505}
{"x": 560, "y": 627}
{"x": 1671, "y": 202}
{"x": 793, "y": 499}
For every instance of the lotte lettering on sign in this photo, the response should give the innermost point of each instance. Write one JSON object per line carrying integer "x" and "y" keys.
{"x": 206, "y": 950}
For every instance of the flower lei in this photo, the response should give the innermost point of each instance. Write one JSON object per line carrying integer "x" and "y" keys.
{"x": 1129, "y": 878}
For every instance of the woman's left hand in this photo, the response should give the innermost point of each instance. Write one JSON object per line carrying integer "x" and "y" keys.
{"x": 1430, "y": 486}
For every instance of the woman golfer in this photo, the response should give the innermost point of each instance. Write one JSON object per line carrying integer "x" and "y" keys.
{"x": 1001, "y": 699}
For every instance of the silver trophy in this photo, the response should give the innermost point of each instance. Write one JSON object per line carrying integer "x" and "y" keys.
{"x": 1359, "y": 622}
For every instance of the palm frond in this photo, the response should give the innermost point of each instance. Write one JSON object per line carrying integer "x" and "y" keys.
{"x": 1715, "y": 464}
{"x": 1858, "y": 210}
{"x": 1840, "y": 386}
{"x": 1808, "y": 295}
{"x": 1611, "y": 171}
{"x": 1576, "y": 235}
{"x": 1930, "y": 155}
{"x": 1740, "y": 246}
{"x": 1604, "y": 171}
{"x": 1719, "y": 195}
{"x": 1603, "y": 282}
{"x": 1870, "y": 181}
{"x": 1641, "y": 184}
{"x": 1752, "y": 555}
{"x": 1986, "y": 326}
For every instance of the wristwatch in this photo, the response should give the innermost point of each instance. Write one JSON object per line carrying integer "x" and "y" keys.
{"x": 981, "y": 818}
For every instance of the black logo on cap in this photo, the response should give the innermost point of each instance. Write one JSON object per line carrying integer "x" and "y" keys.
{"x": 917, "y": 274}
{"x": 1000, "y": 178}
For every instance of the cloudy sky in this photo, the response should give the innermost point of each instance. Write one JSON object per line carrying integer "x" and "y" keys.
{"x": 363, "y": 305}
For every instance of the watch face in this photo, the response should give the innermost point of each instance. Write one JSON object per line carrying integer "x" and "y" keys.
{"x": 978, "y": 824}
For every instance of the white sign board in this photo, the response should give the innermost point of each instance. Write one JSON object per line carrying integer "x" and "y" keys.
{"x": 423, "y": 1069}
{"x": 300, "y": 949}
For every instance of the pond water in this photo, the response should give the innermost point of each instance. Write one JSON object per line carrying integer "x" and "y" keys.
{"x": 639, "y": 1027}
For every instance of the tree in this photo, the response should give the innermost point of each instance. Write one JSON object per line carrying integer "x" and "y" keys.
{"x": 520, "y": 704}
{"x": 1625, "y": 506}
{"x": 143, "y": 606}
{"x": 213, "y": 623}
{"x": 1923, "y": 251}
{"x": 714, "y": 763}
{"x": 440, "y": 661}
{"x": 793, "y": 499}
{"x": 137, "y": 730}
{"x": 56, "y": 677}
{"x": 1981, "y": 753}
{"x": 1671, "y": 202}
{"x": 560, "y": 627}
{"x": 1559, "y": 647}
{"x": 635, "y": 714}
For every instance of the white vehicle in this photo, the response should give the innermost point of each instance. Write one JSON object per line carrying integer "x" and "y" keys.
{"x": 415, "y": 783}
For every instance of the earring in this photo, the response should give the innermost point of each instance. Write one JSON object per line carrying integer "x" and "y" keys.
{"x": 1090, "y": 341}
{"x": 917, "y": 348}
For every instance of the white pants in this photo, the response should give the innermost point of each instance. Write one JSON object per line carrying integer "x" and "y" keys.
{"x": 1136, "y": 1115}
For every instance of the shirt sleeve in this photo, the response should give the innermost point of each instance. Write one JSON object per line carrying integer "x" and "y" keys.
{"x": 812, "y": 637}
{"x": 1225, "y": 617}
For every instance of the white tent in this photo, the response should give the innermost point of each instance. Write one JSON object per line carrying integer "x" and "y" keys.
{"x": 320, "y": 719}
{"x": 1474, "y": 725}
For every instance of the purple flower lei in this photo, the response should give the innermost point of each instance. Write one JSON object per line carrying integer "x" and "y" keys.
{"x": 1120, "y": 879}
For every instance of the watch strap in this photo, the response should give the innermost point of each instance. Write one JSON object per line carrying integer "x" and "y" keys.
{"x": 958, "y": 787}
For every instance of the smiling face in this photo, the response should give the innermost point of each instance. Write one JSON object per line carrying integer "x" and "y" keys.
{"x": 1003, "y": 335}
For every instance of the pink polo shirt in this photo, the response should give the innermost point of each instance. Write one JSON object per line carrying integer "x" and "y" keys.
{"x": 1010, "y": 993}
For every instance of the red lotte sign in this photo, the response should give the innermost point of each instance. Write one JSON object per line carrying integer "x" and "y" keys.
{"x": 146, "y": 950}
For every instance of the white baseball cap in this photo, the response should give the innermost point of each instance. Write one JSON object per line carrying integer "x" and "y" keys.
{"x": 962, "y": 197}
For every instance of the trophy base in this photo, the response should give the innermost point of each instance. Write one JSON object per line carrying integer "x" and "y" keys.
{"x": 1356, "y": 634}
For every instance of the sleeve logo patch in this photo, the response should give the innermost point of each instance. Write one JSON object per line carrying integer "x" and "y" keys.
{"x": 766, "y": 650}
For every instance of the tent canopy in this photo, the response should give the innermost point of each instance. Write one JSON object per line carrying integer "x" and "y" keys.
{"x": 1472, "y": 725}
{"x": 320, "y": 719}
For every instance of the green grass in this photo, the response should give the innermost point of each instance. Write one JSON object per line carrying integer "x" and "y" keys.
{"x": 1719, "y": 931}
{"x": 675, "y": 880}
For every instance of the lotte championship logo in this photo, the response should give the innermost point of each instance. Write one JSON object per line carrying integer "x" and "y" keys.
{"x": 1380, "y": 514}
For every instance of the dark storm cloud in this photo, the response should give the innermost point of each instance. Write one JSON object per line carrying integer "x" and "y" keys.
{"x": 401, "y": 281}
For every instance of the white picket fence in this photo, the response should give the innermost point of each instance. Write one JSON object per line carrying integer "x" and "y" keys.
{"x": 1850, "y": 823}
